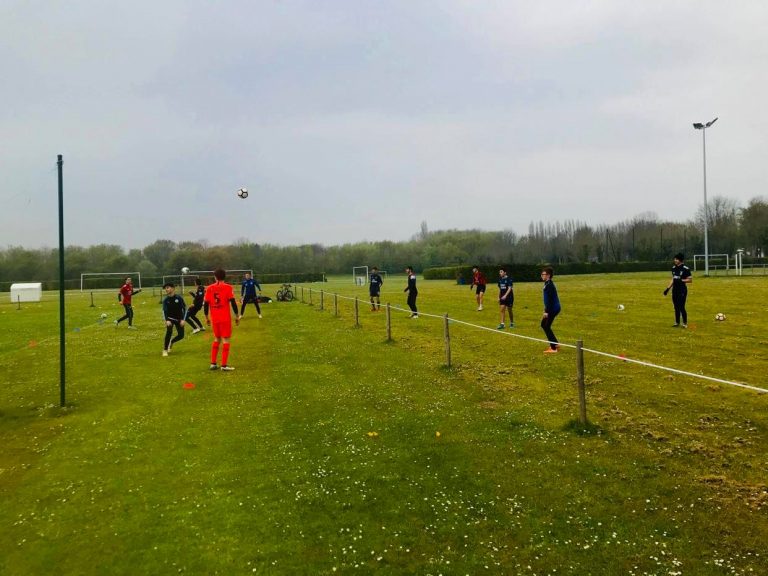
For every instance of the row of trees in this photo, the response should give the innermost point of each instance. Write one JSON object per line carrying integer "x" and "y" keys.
{"x": 644, "y": 238}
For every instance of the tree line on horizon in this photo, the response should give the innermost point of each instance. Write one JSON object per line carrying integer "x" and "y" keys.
{"x": 643, "y": 238}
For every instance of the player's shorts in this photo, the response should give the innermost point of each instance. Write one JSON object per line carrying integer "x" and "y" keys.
{"x": 479, "y": 288}
{"x": 222, "y": 329}
{"x": 508, "y": 301}
{"x": 374, "y": 293}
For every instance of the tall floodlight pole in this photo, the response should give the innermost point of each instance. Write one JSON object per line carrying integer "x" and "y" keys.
{"x": 703, "y": 128}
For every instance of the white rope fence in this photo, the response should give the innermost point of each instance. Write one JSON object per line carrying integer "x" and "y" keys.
{"x": 561, "y": 344}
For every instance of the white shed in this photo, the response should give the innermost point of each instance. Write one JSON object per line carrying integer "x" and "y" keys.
{"x": 28, "y": 292}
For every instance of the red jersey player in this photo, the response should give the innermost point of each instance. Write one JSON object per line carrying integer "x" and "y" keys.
{"x": 217, "y": 297}
{"x": 124, "y": 297}
{"x": 478, "y": 282}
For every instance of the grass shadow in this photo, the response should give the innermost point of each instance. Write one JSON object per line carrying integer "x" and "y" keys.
{"x": 588, "y": 429}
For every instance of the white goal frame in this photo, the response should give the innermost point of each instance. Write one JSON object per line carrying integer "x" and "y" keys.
{"x": 123, "y": 275}
{"x": 196, "y": 273}
{"x": 356, "y": 277}
{"x": 702, "y": 256}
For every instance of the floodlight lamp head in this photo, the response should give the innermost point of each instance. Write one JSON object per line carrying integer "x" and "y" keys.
{"x": 698, "y": 125}
{"x": 711, "y": 122}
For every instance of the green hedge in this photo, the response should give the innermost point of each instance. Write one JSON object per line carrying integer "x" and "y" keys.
{"x": 531, "y": 272}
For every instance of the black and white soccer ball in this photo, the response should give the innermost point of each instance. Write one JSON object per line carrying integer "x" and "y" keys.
{"x": 242, "y": 193}
{"x": 185, "y": 270}
{"x": 719, "y": 316}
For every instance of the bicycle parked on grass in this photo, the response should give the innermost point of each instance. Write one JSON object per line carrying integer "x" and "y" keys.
{"x": 284, "y": 294}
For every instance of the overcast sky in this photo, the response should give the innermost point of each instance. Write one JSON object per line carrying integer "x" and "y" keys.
{"x": 357, "y": 120}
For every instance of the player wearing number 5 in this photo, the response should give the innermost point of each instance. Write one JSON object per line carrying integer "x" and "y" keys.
{"x": 681, "y": 277}
{"x": 218, "y": 298}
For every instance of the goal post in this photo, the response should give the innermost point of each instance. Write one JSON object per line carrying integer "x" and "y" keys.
{"x": 716, "y": 257}
{"x": 107, "y": 278}
{"x": 360, "y": 275}
{"x": 192, "y": 274}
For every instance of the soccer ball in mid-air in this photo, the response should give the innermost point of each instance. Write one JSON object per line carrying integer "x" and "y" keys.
{"x": 719, "y": 316}
{"x": 243, "y": 193}
{"x": 620, "y": 307}
{"x": 185, "y": 270}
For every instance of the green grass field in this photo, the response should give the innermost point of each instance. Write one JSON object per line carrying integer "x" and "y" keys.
{"x": 320, "y": 454}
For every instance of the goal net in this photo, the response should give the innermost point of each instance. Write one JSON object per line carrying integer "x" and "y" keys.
{"x": 107, "y": 280}
{"x": 234, "y": 277}
{"x": 360, "y": 275}
{"x": 715, "y": 261}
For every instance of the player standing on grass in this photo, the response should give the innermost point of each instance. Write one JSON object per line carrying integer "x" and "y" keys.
{"x": 198, "y": 296}
{"x": 248, "y": 294}
{"x": 506, "y": 299}
{"x": 174, "y": 311}
{"x": 681, "y": 276}
{"x": 551, "y": 308}
{"x": 412, "y": 292}
{"x": 478, "y": 282}
{"x": 124, "y": 297}
{"x": 218, "y": 297}
{"x": 374, "y": 289}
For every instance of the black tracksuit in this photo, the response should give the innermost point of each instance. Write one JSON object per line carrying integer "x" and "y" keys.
{"x": 174, "y": 310}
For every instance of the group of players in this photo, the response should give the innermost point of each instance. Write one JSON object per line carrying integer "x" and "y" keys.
{"x": 506, "y": 297}
{"x": 215, "y": 301}
{"x": 681, "y": 277}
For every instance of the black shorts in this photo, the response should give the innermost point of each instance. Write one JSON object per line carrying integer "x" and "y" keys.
{"x": 479, "y": 288}
{"x": 375, "y": 293}
{"x": 509, "y": 301}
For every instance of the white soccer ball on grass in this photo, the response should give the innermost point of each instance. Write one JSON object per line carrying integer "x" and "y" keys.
{"x": 620, "y": 307}
{"x": 719, "y": 316}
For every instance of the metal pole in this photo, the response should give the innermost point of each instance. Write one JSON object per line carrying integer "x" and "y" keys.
{"x": 62, "y": 328}
{"x": 92, "y": 304}
{"x": 580, "y": 382}
{"x": 310, "y": 297}
{"x": 302, "y": 294}
{"x": 18, "y": 302}
{"x": 447, "y": 342}
{"x": 321, "y": 300}
{"x": 357, "y": 313}
{"x": 389, "y": 324}
{"x": 706, "y": 208}
{"x": 335, "y": 304}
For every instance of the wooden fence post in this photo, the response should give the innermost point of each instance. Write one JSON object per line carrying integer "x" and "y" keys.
{"x": 357, "y": 313}
{"x": 92, "y": 304}
{"x": 580, "y": 382}
{"x": 302, "y": 294}
{"x": 447, "y": 342}
{"x": 335, "y": 304}
{"x": 389, "y": 324}
{"x": 321, "y": 301}
{"x": 310, "y": 297}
